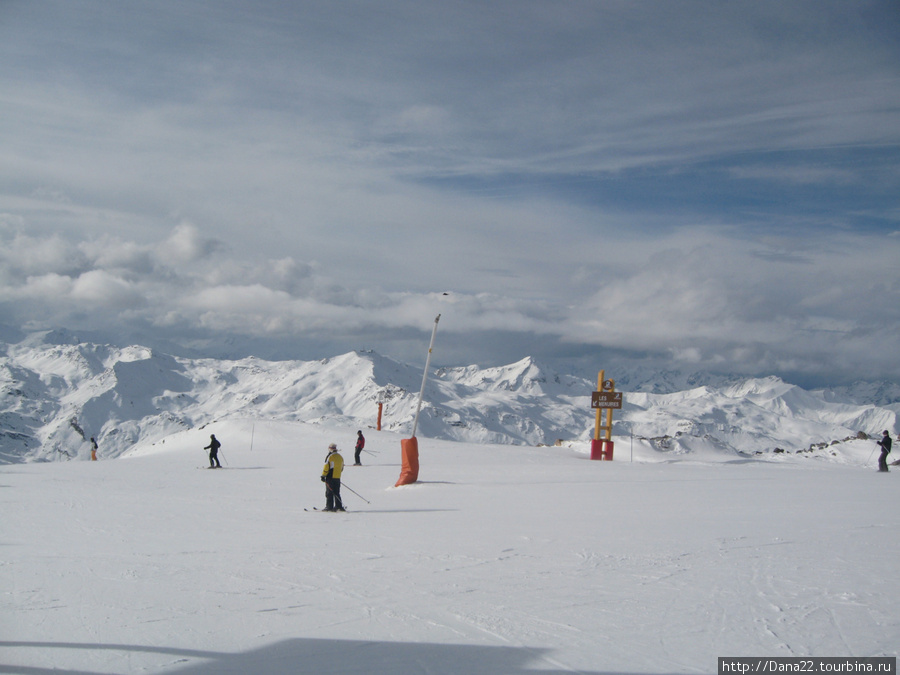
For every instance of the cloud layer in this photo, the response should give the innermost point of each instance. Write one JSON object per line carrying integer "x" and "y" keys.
{"x": 694, "y": 300}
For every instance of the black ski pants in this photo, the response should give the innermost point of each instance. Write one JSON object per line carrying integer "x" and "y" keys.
{"x": 333, "y": 494}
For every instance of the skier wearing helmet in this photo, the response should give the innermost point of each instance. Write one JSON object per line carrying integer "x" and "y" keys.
{"x": 331, "y": 476}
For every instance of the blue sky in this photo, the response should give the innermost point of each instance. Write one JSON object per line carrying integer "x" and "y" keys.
{"x": 692, "y": 185}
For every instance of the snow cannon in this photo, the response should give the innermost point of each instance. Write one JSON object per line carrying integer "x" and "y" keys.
{"x": 409, "y": 468}
{"x": 409, "y": 447}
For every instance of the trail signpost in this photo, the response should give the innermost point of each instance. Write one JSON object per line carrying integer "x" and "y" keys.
{"x": 604, "y": 401}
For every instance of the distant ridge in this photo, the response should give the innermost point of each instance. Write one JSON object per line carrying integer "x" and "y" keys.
{"x": 58, "y": 392}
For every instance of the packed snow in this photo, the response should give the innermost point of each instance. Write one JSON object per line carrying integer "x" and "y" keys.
{"x": 501, "y": 559}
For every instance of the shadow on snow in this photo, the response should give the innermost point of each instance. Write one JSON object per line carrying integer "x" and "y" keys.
{"x": 300, "y": 655}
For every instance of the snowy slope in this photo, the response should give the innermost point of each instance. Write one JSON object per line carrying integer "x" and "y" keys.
{"x": 758, "y": 415}
{"x": 57, "y": 394}
{"x": 501, "y": 560}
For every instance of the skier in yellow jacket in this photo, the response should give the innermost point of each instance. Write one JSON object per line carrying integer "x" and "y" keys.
{"x": 331, "y": 476}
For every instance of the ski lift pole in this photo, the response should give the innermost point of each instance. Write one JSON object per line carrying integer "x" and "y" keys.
{"x": 425, "y": 375}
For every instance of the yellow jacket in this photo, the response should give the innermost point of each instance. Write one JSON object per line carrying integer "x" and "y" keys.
{"x": 334, "y": 464}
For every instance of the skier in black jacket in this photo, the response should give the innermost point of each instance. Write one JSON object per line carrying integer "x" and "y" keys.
{"x": 213, "y": 448}
{"x": 885, "y": 444}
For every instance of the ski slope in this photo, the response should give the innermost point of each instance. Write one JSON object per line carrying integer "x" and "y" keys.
{"x": 501, "y": 559}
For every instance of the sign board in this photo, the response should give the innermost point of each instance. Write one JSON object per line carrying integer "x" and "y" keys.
{"x": 606, "y": 399}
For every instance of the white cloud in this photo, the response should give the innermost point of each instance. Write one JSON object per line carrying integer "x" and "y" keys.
{"x": 100, "y": 288}
{"x": 28, "y": 255}
{"x": 47, "y": 288}
{"x": 186, "y": 244}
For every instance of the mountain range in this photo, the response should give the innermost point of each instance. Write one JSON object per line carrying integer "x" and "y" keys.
{"x": 57, "y": 393}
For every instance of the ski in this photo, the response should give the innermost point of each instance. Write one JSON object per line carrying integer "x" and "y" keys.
{"x": 324, "y": 511}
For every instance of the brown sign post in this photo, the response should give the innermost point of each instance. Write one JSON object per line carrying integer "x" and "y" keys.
{"x": 604, "y": 402}
{"x": 606, "y": 399}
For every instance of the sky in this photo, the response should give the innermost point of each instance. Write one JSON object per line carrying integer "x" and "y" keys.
{"x": 697, "y": 185}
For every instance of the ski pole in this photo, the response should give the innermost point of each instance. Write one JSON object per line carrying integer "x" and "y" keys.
{"x": 870, "y": 458}
{"x": 336, "y": 496}
{"x": 223, "y": 457}
{"x": 355, "y": 492}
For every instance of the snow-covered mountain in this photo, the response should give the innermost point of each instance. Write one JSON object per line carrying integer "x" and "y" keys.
{"x": 56, "y": 394}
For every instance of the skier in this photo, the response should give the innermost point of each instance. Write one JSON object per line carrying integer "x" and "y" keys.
{"x": 885, "y": 444}
{"x": 331, "y": 476}
{"x": 213, "y": 448}
{"x": 360, "y": 444}
{"x": 93, "y": 449}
